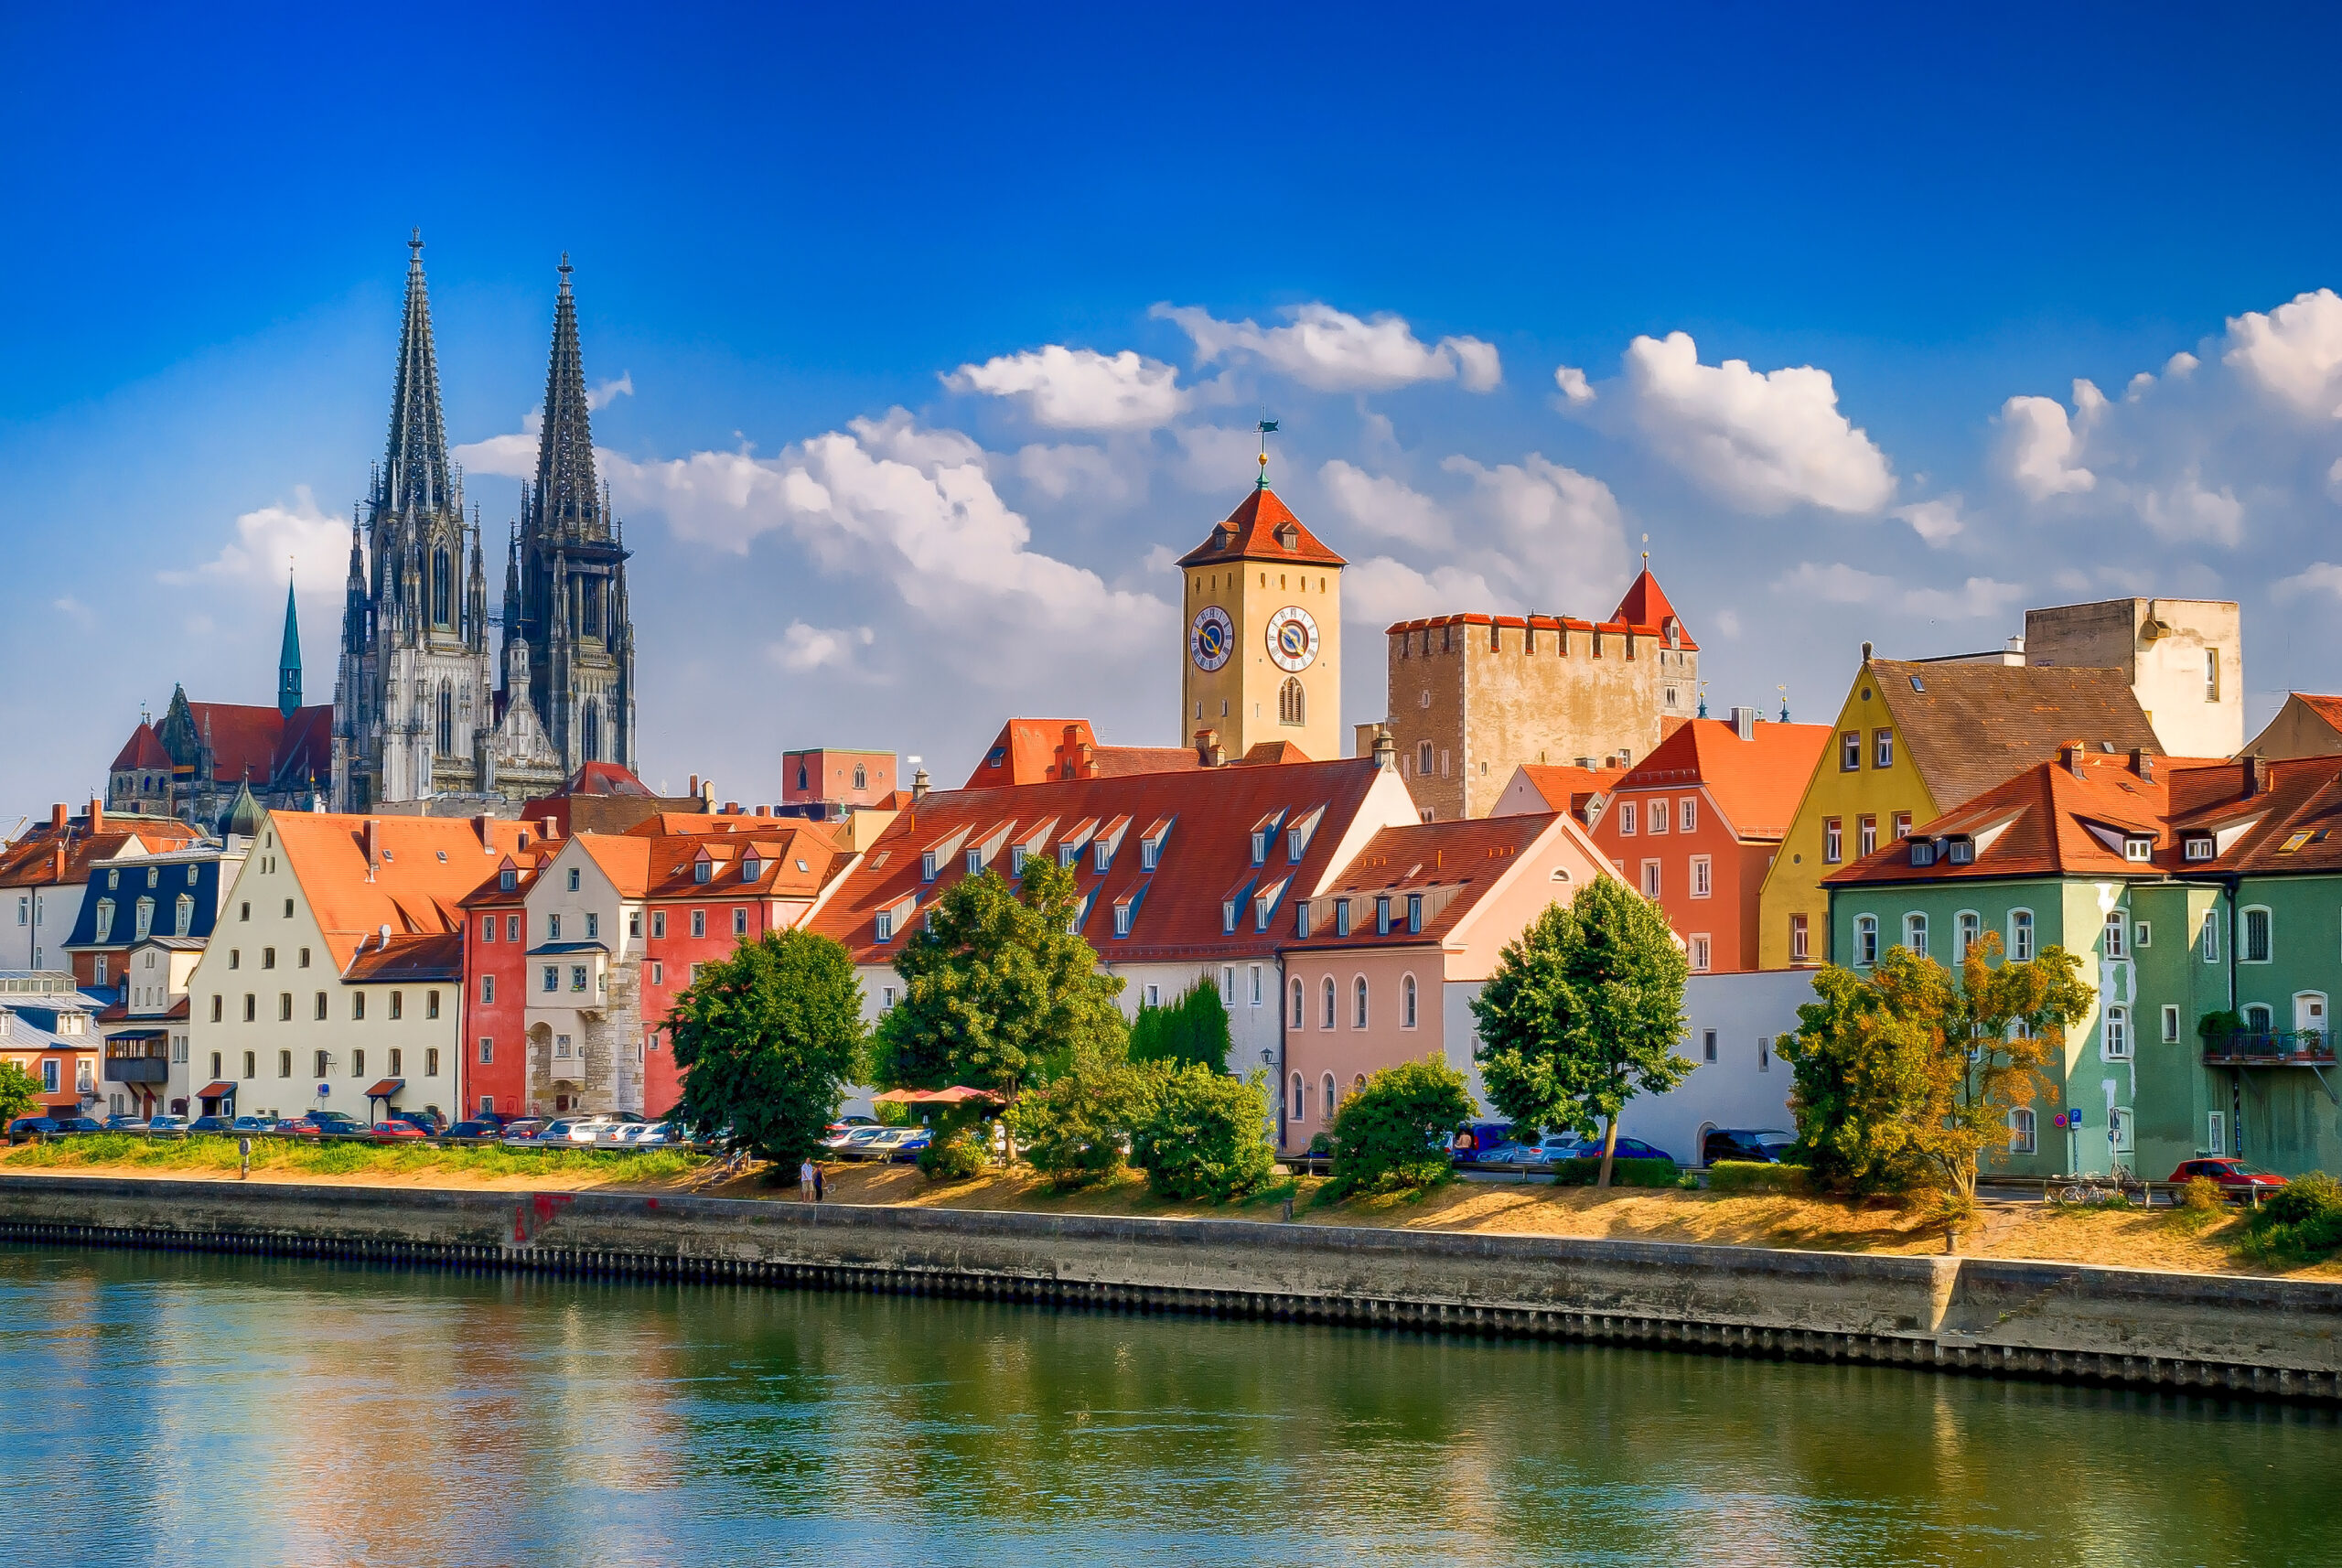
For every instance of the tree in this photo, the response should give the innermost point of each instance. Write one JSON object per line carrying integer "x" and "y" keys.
{"x": 19, "y": 1090}
{"x": 1076, "y": 1130}
{"x": 768, "y": 1041}
{"x": 1192, "y": 1028}
{"x": 1201, "y": 1133}
{"x": 1904, "y": 1076}
{"x": 1584, "y": 1012}
{"x": 1394, "y": 1132}
{"x": 999, "y": 992}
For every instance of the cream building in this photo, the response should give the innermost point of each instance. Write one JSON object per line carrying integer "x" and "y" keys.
{"x": 2184, "y": 659}
{"x": 1263, "y": 634}
{"x": 333, "y": 979}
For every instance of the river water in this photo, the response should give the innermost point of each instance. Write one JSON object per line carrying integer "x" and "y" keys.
{"x": 175, "y": 1409}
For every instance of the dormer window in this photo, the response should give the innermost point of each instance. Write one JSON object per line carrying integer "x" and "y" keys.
{"x": 2137, "y": 847}
{"x": 1150, "y": 848}
{"x": 886, "y": 926}
{"x": 1016, "y": 861}
{"x": 1961, "y": 851}
{"x": 113, "y": 879}
{"x": 1414, "y": 912}
{"x": 2199, "y": 846}
{"x": 703, "y": 870}
{"x": 750, "y": 868}
{"x": 506, "y": 880}
{"x": 1382, "y": 915}
{"x": 1923, "y": 851}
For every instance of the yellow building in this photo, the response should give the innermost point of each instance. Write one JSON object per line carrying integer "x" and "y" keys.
{"x": 1263, "y": 634}
{"x": 1913, "y": 741}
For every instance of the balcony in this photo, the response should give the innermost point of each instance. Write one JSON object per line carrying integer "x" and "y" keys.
{"x": 138, "y": 1069}
{"x": 2308, "y": 1048}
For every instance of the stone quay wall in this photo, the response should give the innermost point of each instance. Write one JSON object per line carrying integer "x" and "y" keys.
{"x": 2070, "y": 1322}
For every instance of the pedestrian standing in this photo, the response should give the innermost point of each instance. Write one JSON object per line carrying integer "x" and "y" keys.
{"x": 808, "y": 1180}
{"x": 821, "y": 1190}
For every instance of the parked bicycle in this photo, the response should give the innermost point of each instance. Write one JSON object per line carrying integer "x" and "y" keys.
{"x": 2117, "y": 1185}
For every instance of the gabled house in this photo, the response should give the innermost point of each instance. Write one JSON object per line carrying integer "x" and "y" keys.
{"x": 45, "y": 875}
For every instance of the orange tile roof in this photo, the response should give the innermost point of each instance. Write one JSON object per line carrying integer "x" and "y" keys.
{"x": 1644, "y": 603}
{"x": 1454, "y": 864}
{"x": 1178, "y": 913}
{"x": 1029, "y": 751}
{"x": 434, "y": 955}
{"x": 1756, "y": 783}
{"x": 1568, "y": 789}
{"x": 1262, "y": 528}
{"x": 1543, "y": 623}
{"x": 33, "y": 861}
{"x": 429, "y": 865}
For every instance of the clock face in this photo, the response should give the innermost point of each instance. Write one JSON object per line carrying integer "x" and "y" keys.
{"x": 1293, "y": 639}
{"x": 1212, "y": 638}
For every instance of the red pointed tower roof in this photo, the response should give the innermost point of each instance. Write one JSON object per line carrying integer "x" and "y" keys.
{"x": 1262, "y": 528}
{"x": 1646, "y": 604}
{"x": 145, "y": 750}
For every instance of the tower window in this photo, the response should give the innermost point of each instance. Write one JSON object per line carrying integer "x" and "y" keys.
{"x": 1293, "y": 704}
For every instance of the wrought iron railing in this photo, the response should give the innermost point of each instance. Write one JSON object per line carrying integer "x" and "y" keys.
{"x": 2309, "y": 1047}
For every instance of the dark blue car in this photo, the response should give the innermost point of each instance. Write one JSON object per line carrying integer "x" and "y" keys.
{"x": 211, "y": 1124}
{"x": 25, "y": 1127}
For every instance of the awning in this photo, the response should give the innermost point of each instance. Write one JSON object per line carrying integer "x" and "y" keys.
{"x": 216, "y": 1091}
{"x": 386, "y": 1087}
{"x": 959, "y": 1094}
{"x": 137, "y": 1034}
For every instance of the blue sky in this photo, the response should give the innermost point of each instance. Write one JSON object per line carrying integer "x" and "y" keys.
{"x": 864, "y": 284}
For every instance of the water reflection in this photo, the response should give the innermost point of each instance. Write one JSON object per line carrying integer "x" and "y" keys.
{"x": 186, "y": 1408}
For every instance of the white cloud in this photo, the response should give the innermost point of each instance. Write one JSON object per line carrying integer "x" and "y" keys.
{"x": 1333, "y": 351}
{"x": 1380, "y": 590}
{"x": 316, "y": 548}
{"x": 1073, "y": 471}
{"x": 603, "y": 395}
{"x": 73, "y": 609}
{"x": 2294, "y": 352}
{"x": 2188, "y": 510}
{"x": 1727, "y": 623}
{"x": 1837, "y": 584}
{"x": 1215, "y": 459}
{"x": 2324, "y": 577}
{"x": 1573, "y": 384}
{"x": 1762, "y": 441}
{"x": 1937, "y": 521}
{"x": 512, "y": 457}
{"x": 1079, "y": 389}
{"x": 803, "y": 648}
{"x": 1381, "y": 505}
{"x": 1561, "y": 540}
{"x": 2040, "y": 452}
{"x": 2333, "y": 479}
{"x": 1978, "y": 598}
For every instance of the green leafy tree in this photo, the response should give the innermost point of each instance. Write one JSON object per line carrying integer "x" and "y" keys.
{"x": 1583, "y": 1013}
{"x": 1192, "y": 1028}
{"x": 1076, "y": 1130}
{"x": 19, "y": 1090}
{"x": 1392, "y": 1132}
{"x": 999, "y": 992}
{"x": 1905, "y": 1076}
{"x": 768, "y": 1040}
{"x": 1198, "y": 1134}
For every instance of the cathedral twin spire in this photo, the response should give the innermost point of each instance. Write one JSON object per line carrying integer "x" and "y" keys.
{"x": 415, "y": 475}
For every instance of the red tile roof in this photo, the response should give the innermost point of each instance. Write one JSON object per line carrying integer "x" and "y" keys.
{"x": 34, "y": 861}
{"x": 1644, "y": 603}
{"x": 144, "y": 749}
{"x": 2324, "y": 707}
{"x": 1029, "y": 751}
{"x": 1207, "y": 819}
{"x": 261, "y": 744}
{"x": 1451, "y": 864}
{"x": 1262, "y": 528}
{"x": 1756, "y": 783}
{"x": 1566, "y": 788}
{"x": 1544, "y": 623}
{"x": 604, "y": 779}
{"x": 438, "y": 955}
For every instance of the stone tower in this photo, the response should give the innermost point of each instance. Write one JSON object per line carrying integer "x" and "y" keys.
{"x": 1263, "y": 633}
{"x": 568, "y": 639}
{"x": 413, "y": 702}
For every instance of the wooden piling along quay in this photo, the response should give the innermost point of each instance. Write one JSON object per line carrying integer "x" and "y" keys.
{"x": 2277, "y": 1338}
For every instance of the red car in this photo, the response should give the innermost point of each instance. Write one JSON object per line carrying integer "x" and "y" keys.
{"x": 2237, "y": 1179}
{"x": 392, "y": 1129}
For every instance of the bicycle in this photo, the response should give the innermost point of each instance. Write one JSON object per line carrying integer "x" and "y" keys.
{"x": 2118, "y": 1186}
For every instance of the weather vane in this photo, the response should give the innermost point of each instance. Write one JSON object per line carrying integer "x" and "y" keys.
{"x": 1265, "y": 428}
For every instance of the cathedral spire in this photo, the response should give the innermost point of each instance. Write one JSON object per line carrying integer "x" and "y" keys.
{"x": 415, "y": 475}
{"x": 288, "y": 660}
{"x": 568, "y": 503}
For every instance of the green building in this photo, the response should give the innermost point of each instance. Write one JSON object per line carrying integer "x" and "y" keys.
{"x": 2191, "y": 891}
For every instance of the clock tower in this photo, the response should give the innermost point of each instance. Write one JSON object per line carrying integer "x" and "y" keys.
{"x": 1261, "y": 633}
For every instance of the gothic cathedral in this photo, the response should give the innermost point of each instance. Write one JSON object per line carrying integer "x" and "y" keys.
{"x": 418, "y": 713}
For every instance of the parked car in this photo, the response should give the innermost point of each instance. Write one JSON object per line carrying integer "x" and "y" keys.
{"x": 255, "y": 1123}
{"x": 481, "y": 1128}
{"x": 1631, "y": 1149}
{"x": 522, "y": 1132}
{"x": 884, "y": 1144}
{"x": 2237, "y": 1179}
{"x": 1473, "y": 1141}
{"x": 212, "y": 1124}
{"x": 79, "y": 1124}
{"x": 1557, "y": 1146}
{"x": 126, "y": 1123}
{"x": 573, "y": 1130}
{"x": 25, "y": 1127}
{"x": 621, "y": 1127}
{"x": 659, "y": 1134}
{"x": 174, "y": 1125}
{"x": 847, "y": 1124}
{"x": 1506, "y": 1154}
{"x": 386, "y": 1130}
{"x": 430, "y": 1122}
{"x": 1769, "y": 1147}
{"x": 912, "y": 1148}
{"x": 842, "y": 1144}
{"x": 319, "y": 1123}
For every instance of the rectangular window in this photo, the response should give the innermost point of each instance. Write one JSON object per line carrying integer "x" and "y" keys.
{"x": 658, "y": 974}
{"x": 48, "y": 1075}
{"x": 2021, "y": 1130}
{"x": 487, "y": 928}
{"x": 1627, "y": 818}
{"x": 2170, "y": 1026}
{"x": 2256, "y": 936}
{"x": 739, "y": 922}
{"x": 1228, "y": 985}
{"x": 215, "y": 1009}
{"x": 1707, "y": 1044}
{"x": 268, "y": 958}
{"x": 285, "y": 1064}
{"x": 593, "y": 925}
{"x": 1865, "y": 940}
{"x": 320, "y": 1061}
{"x": 659, "y": 923}
{"x": 1903, "y": 830}
{"x": 1764, "y": 1053}
{"x": 577, "y": 977}
{"x": 1650, "y": 879}
{"x": 358, "y": 1004}
{"x": 431, "y": 1005}
{"x": 1699, "y": 955}
{"x": 2211, "y": 939}
{"x": 251, "y": 1064}
{"x": 1833, "y": 841}
{"x": 1155, "y": 996}
{"x": 1799, "y": 950}
{"x": 1688, "y": 815}
{"x": 284, "y": 1007}
{"x": 2211, "y": 675}
{"x": 2118, "y": 931}
{"x": 252, "y": 1007}
{"x": 1702, "y": 873}
{"x": 398, "y": 1004}
{"x": 398, "y": 1062}
{"x": 487, "y": 991}
{"x": 2021, "y": 935}
{"x": 1883, "y": 748}
{"x": 699, "y": 922}
{"x": 1256, "y": 985}
{"x": 486, "y": 1050}
{"x": 1966, "y": 928}
{"x": 2141, "y": 935}
{"x": 553, "y": 927}
{"x": 431, "y": 1062}
{"x": 1850, "y": 751}
{"x": 886, "y": 999}
{"x": 2118, "y": 1034}
{"x": 551, "y": 979}
{"x": 358, "y": 1064}
{"x": 1866, "y": 835}
{"x": 511, "y": 928}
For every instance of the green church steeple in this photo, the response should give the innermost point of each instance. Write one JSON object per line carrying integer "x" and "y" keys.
{"x": 288, "y": 661}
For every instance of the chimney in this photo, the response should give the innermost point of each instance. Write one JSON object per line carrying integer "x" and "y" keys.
{"x": 693, "y": 791}
{"x": 2142, "y": 763}
{"x": 918, "y": 786}
{"x": 1208, "y": 751}
{"x": 57, "y": 818}
{"x": 480, "y": 825}
{"x": 764, "y": 810}
{"x": 730, "y": 808}
{"x": 57, "y": 864}
{"x": 524, "y": 838}
{"x": 2256, "y": 776}
{"x": 97, "y": 816}
{"x": 1386, "y": 750}
{"x": 384, "y": 945}
{"x": 548, "y": 828}
{"x": 1865, "y": 652}
{"x": 1744, "y": 723}
{"x": 2075, "y": 751}
{"x": 372, "y": 836}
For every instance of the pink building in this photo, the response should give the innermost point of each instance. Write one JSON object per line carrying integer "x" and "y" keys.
{"x": 1396, "y": 949}
{"x": 837, "y": 780}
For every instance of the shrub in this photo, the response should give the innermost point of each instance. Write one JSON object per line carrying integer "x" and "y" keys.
{"x": 1757, "y": 1176}
{"x": 1201, "y": 1134}
{"x": 2298, "y": 1223}
{"x": 2200, "y": 1196}
{"x": 956, "y": 1155}
{"x": 1192, "y": 1028}
{"x": 1392, "y": 1132}
{"x": 1622, "y": 1173}
{"x": 1077, "y": 1131}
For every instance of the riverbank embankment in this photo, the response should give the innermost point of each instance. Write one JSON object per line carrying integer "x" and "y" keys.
{"x": 2060, "y": 1321}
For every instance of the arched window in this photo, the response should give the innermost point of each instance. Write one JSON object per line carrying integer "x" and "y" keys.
{"x": 1966, "y": 929}
{"x": 1300, "y": 1092}
{"x": 1298, "y": 1019}
{"x": 2021, "y": 936}
{"x": 2257, "y": 1020}
{"x": 1293, "y": 705}
{"x": 1422, "y": 759}
{"x": 1329, "y": 1002}
{"x": 2021, "y": 1130}
{"x": 1407, "y": 1002}
{"x": 447, "y": 720}
{"x": 860, "y": 776}
{"x": 2118, "y": 1034}
{"x": 1865, "y": 940}
{"x": 1326, "y": 1096}
{"x": 593, "y": 730}
{"x": 1915, "y": 935}
{"x": 442, "y": 588}
{"x": 1359, "y": 1023}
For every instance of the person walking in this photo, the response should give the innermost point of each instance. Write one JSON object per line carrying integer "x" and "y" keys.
{"x": 808, "y": 1180}
{"x": 821, "y": 1188}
